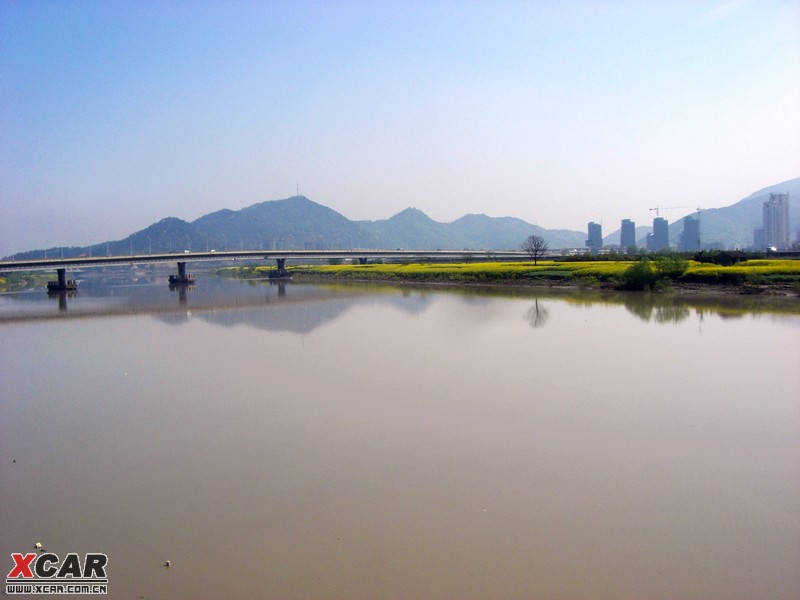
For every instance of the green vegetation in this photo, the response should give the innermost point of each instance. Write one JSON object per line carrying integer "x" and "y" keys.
{"x": 19, "y": 280}
{"x": 646, "y": 273}
{"x": 641, "y": 276}
{"x": 784, "y": 271}
{"x": 246, "y": 272}
{"x": 484, "y": 272}
{"x": 546, "y": 272}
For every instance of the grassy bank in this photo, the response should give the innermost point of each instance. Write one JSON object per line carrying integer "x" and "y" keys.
{"x": 661, "y": 273}
{"x": 22, "y": 280}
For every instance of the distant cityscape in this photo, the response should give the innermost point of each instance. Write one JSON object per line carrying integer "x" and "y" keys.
{"x": 763, "y": 221}
{"x": 772, "y": 236}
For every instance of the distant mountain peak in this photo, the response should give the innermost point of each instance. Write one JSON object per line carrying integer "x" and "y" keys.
{"x": 409, "y": 214}
{"x": 166, "y": 220}
{"x": 411, "y": 210}
{"x": 282, "y": 201}
{"x": 475, "y": 217}
{"x": 297, "y": 222}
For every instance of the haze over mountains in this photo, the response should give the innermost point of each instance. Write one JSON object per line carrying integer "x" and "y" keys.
{"x": 732, "y": 226}
{"x": 300, "y": 223}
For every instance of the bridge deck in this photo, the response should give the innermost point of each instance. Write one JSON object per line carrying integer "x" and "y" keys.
{"x": 101, "y": 261}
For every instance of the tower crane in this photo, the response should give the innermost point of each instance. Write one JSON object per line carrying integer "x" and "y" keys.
{"x": 659, "y": 208}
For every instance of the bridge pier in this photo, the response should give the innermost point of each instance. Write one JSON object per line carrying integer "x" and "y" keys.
{"x": 281, "y": 272}
{"x": 62, "y": 284}
{"x": 181, "y": 278}
{"x": 362, "y": 260}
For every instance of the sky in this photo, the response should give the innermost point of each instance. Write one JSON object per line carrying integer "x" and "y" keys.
{"x": 116, "y": 114}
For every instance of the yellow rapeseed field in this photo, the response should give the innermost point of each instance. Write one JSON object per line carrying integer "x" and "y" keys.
{"x": 548, "y": 269}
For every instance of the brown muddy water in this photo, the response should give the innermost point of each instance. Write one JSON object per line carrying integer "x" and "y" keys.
{"x": 367, "y": 442}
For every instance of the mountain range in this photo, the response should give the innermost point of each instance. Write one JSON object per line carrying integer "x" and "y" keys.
{"x": 300, "y": 223}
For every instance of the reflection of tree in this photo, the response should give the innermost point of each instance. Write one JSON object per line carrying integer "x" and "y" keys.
{"x": 536, "y": 315}
{"x": 671, "y": 314}
{"x": 658, "y": 308}
{"x": 636, "y": 306}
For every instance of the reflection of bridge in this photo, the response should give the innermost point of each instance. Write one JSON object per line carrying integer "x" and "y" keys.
{"x": 280, "y": 256}
{"x": 127, "y": 305}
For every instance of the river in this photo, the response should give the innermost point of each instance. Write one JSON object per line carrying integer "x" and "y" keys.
{"x": 369, "y": 441}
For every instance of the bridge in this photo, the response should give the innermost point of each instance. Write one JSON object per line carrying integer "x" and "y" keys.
{"x": 280, "y": 256}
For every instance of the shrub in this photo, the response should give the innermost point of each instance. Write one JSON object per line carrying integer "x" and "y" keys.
{"x": 671, "y": 266}
{"x": 640, "y": 276}
{"x": 717, "y": 257}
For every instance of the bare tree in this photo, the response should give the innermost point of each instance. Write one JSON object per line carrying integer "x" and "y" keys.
{"x": 535, "y": 246}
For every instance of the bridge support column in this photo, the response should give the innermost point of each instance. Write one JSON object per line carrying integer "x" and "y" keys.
{"x": 282, "y": 272}
{"x": 62, "y": 284}
{"x": 181, "y": 278}
{"x": 362, "y": 260}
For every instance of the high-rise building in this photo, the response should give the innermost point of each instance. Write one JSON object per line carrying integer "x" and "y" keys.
{"x": 595, "y": 241}
{"x": 627, "y": 237}
{"x": 690, "y": 237}
{"x": 659, "y": 239}
{"x": 759, "y": 241}
{"x": 776, "y": 221}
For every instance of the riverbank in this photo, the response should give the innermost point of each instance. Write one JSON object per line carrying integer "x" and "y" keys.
{"x": 20, "y": 281}
{"x": 754, "y": 277}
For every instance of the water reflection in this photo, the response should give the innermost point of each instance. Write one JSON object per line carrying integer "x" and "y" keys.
{"x": 182, "y": 289}
{"x": 408, "y": 443}
{"x": 650, "y": 307}
{"x": 536, "y": 315}
{"x": 62, "y": 296}
{"x": 210, "y": 298}
{"x": 664, "y": 308}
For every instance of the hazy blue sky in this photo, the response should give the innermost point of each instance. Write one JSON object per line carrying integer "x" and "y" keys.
{"x": 116, "y": 114}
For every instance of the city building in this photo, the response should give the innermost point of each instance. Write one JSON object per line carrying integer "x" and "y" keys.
{"x": 690, "y": 237}
{"x": 776, "y": 222}
{"x": 659, "y": 239}
{"x": 627, "y": 238}
{"x": 759, "y": 241}
{"x": 595, "y": 241}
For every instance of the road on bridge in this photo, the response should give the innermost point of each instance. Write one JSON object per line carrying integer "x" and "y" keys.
{"x": 100, "y": 261}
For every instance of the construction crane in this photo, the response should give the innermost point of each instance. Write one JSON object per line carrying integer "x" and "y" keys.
{"x": 659, "y": 208}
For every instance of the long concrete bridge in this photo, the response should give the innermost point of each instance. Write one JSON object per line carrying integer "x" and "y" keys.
{"x": 280, "y": 256}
